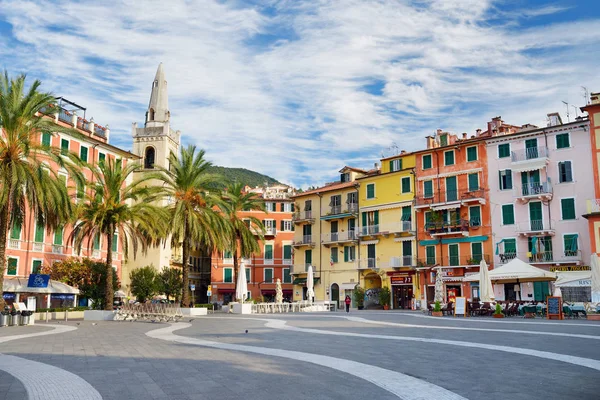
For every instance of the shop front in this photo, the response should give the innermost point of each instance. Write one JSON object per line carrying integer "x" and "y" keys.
{"x": 452, "y": 278}
{"x": 39, "y": 292}
{"x": 402, "y": 290}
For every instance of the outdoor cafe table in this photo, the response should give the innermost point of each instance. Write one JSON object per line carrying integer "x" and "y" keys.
{"x": 577, "y": 309}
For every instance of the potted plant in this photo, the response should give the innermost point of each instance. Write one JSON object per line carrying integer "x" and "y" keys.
{"x": 498, "y": 312}
{"x": 384, "y": 297}
{"x": 359, "y": 297}
{"x": 437, "y": 309}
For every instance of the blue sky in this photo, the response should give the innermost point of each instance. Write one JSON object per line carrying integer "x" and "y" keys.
{"x": 298, "y": 89}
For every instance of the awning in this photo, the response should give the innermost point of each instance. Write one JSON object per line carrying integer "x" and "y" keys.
{"x": 530, "y": 165}
{"x": 446, "y": 206}
{"x": 302, "y": 281}
{"x": 404, "y": 239}
{"x": 268, "y": 292}
{"x": 347, "y": 286}
{"x": 19, "y": 285}
{"x": 226, "y": 291}
{"x": 366, "y": 242}
{"x": 574, "y": 279}
{"x": 516, "y": 270}
{"x": 385, "y": 207}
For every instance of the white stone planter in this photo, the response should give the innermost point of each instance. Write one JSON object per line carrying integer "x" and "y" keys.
{"x": 225, "y": 309}
{"x": 194, "y": 311}
{"x": 242, "y": 308}
{"x": 98, "y": 315}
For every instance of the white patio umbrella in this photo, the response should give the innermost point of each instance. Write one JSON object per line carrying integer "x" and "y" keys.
{"x": 439, "y": 287}
{"x": 278, "y": 292}
{"x": 310, "y": 290}
{"x": 242, "y": 285}
{"x": 486, "y": 291}
{"x": 595, "y": 267}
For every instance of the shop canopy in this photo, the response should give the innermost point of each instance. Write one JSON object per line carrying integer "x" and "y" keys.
{"x": 516, "y": 270}
{"x": 19, "y": 285}
{"x": 573, "y": 279}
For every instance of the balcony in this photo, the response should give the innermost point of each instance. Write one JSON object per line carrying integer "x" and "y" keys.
{"x": 306, "y": 240}
{"x": 529, "y": 159}
{"x": 341, "y": 211}
{"x": 395, "y": 228}
{"x": 367, "y": 263}
{"x": 96, "y": 254}
{"x": 338, "y": 237}
{"x": 270, "y": 231}
{"x": 443, "y": 228}
{"x": 542, "y": 191}
{"x": 303, "y": 216}
{"x": 302, "y": 268}
{"x": 536, "y": 227}
{"x": 399, "y": 262}
{"x": 544, "y": 257}
{"x": 38, "y": 247}
{"x": 57, "y": 249}
{"x": 450, "y": 199}
{"x": 472, "y": 260}
{"x": 14, "y": 244}
{"x": 593, "y": 206}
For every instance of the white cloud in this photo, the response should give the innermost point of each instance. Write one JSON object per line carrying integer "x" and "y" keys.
{"x": 283, "y": 92}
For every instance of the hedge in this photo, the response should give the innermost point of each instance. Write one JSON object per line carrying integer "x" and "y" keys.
{"x": 209, "y": 306}
{"x": 62, "y": 309}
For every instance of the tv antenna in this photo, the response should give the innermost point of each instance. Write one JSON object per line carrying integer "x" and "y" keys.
{"x": 568, "y": 115}
{"x": 586, "y": 95}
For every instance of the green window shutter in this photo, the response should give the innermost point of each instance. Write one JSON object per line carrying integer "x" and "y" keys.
{"x": 376, "y": 217}
{"x": 475, "y": 215}
{"x": 430, "y": 253}
{"x": 473, "y": 182}
{"x": 268, "y": 252}
{"x": 287, "y": 278}
{"x": 406, "y": 184}
{"x": 101, "y": 158}
{"x": 11, "y": 268}
{"x": 472, "y": 154}
{"x": 83, "y": 153}
{"x": 334, "y": 254}
{"x": 453, "y": 254}
{"x": 80, "y": 190}
{"x": 565, "y": 173}
{"x": 570, "y": 245}
{"x": 308, "y": 256}
{"x": 477, "y": 251}
{"x": 39, "y": 233}
{"x": 292, "y": 207}
{"x": 392, "y": 166}
{"x": 370, "y": 191}
{"x": 227, "y": 254}
{"x": 428, "y": 188}
{"x": 508, "y": 214}
{"x": 15, "y": 232}
{"x": 427, "y": 161}
{"x": 58, "y": 236}
{"x": 428, "y": 217}
{"x": 510, "y": 246}
{"x": 568, "y": 208}
{"x": 508, "y": 173}
{"x": 228, "y": 277}
{"x": 287, "y": 252}
{"x": 63, "y": 179}
{"x": 364, "y": 219}
{"x": 115, "y": 243}
{"x": 449, "y": 158}
{"x": 504, "y": 150}
{"x": 562, "y": 141}
{"x": 269, "y": 275}
{"x": 444, "y": 140}
{"x": 406, "y": 213}
{"x": 36, "y": 266}
{"x": 46, "y": 139}
{"x": 346, "y": 253}
{"x": 64, "y": 146}
{"x": 97, "y": 242}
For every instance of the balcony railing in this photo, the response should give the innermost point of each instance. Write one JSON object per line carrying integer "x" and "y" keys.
{"x": 392, "y": 227}
{"x": 57, "y": 249}
{"x": 534, "y": 190}
{"x": 541, "y": 257}
{"x": 39, "y": 247}
{"x": 400, "y": 261}
{"x": 334, "y": 210}
{"x": 270, "y": 231}
{"x": 366, "y": 263}
{"x": 14, "y": 244}
{"x": 532, "y": 153}
{"x": 535, "y": 226}
{"x": 446, "y": 228}
{"x": 96, "y": 254}
{"x": 302, "y": 216}
{"x": 65, "y": 116}
{"x": 593, "y": 206}
{"x": 450, "y": 196}
{"x": 306, "y": 240}
{"x": 454, "y": 261}
{"x": 369, "y": 230}
{"x": 339, "y": 236}
{"x": 352, "y": 208}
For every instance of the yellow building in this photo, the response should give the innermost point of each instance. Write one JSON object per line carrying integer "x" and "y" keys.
{"x": 387, "y": 253}
{"x": 326, "y": 221}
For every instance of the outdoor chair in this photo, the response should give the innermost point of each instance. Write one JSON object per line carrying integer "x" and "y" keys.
{"x": 429, "y": 308}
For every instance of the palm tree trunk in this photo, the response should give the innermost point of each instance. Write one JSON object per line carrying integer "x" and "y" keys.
{"x": 235, "y": 268}
{"x": 4, "y": 213}
{"x": 185, "y": 298}
{"x": 108, "y": 289}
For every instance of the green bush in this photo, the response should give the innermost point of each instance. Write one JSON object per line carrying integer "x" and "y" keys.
{"x": 61, "y": 309}
{"x": 359, "y": 296}
{"x": 498, "y": 309}
{"x": 209, "y": 306}
{"x": 437, "y": 307}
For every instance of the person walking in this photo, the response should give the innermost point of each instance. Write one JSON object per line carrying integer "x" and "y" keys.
{"x": 348, "y": 301}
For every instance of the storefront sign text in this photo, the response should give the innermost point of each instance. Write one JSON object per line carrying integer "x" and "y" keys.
{"x": 565, "y": 268}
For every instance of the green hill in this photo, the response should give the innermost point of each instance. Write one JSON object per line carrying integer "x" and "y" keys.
{"x": 243, "y": 175}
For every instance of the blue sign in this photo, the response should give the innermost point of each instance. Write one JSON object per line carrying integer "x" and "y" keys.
{"x": 9, "y": 296}
{"x": 62, "y": 296}
{"x": 38, "y": 281}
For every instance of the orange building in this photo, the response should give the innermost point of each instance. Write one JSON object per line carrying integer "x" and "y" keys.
{"x": 452, "y": 212}
{"x": 593, "y": 205}
{"x": 275, "y": 259}
{"x": 30, "y": 246}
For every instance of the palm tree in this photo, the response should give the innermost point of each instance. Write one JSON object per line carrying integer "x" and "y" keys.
{"x": 246, "y": 232}
{"x": 114, "y": 205}
{"x": 194, "y": 218}
{"x": 26, "y": 180}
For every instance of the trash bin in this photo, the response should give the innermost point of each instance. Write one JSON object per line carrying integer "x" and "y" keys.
{"x": 4, "y": 317}
{"x": 25, "y": 316}
{"x": 14, "y": 320}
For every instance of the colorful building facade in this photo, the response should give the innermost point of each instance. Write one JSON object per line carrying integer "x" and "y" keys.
{"x": 592, "y": 212}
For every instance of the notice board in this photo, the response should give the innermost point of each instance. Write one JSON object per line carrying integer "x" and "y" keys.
{"x": 554, "y": 307}
{"x": 460, "y": 306}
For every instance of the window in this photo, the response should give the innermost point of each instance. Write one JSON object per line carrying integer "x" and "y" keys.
{"x": 570, "y": 245}
{"x": 562, "y": 141}
{"x": 371, "y": 191}
{"x": 246, "y": 222}
{"x": 405, "y": 184}
{"x": 227, "y": 254}
{"x": 15, "y": 232}
{"x": 287, "y": 253}
{"x": 444, "y": 140}
{"x": 476, "y": 253}
{"x": 64, "y": 146}
{"x": 269, "y": 225}
{"x": 287, "y": 277}
{"x": 352, "y": 199}
{"x": 568, "y": 208}
{"x": 565, "y": 173}
{"x": 36, "y": 266}
{"x": 115, "y": 243}
{"x": 334, "y": 255}
{"x": 58, "y": 236}
{"x": 349, "y": 253}
{"x": 453, "y": 257}
{"x": 228, "y": 275}
{"x": 406, "y": 213}
{"x": 428, "y": 189}
{"x": 449, "y": 157}
{"x": 395, "y": 165}
{"x": 508, "y": 214}
{"x": 39, "y": 233}
{"x": 62, "y": 178}
{"x": 83, "y": 153}
{"x": 268, "y": 275}
{"x": 475, "y": 216}
{"x": 505, "y": 179}
{"x": 427, "y": 161}
{"x": 46, "y": 139}
{"x": 307, "y": 259}
{"x": 473, "y": 182}
{"x": 504, "y": 150}
{"x": 335, "y": 202}
{"x": 269, "y": 252}
{"x": 97, "y": 241}
{"x": 12, "y": 266}
{"x": 101, "y": 158}
{"x": 472, "y": 153}
{"x": 149, "y": 157}
{"x": 345, "y": 177}
{"x": 308, "y": 205}
{"x": 80, "y": 190}
{"x": 287, "y": 226}
{"x": 510, "y": 247}
{"x": 247, "y": 273}
{"x": 430, "y": 255}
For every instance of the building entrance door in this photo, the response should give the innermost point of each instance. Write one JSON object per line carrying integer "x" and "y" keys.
{"x": 403, "y": 297}
{"x": 335, "y": 294}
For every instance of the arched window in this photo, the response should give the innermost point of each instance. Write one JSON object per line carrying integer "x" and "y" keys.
{"x": 149, "y": 158}
{"x": 151, "y": 114}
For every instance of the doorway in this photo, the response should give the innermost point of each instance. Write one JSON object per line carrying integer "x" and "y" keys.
{"x": 403, "y": 297}
{"x": 335, "y": 294}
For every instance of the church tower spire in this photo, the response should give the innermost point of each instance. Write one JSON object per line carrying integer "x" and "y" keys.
{"x": 158, "y": 109}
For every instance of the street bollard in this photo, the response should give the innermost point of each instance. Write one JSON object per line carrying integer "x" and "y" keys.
{"x": 46, "y": 316}
{"x": 66, "y": 315}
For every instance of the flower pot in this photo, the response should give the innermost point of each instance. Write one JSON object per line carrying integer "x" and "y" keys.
{"x": 361, "y": 307}
{"x": 386, "y": 307}
{"x": 437, "y": 314}
{"x": 498, "y": 315}
{"x": 593, "y": 317}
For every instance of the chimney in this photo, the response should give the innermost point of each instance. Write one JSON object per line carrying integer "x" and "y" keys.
{"x": 554, "y": 119}
{"x": 439, "y": 132}
{"x": 495, "y": 132}
{"x": 478, "y": 131}
{"x": 376, "y": 166}
{"x": 464, "y": 135}
{"x": 430, "y": 142}
{"x": 595, "y": 98}
{"x": 402, "y": 151}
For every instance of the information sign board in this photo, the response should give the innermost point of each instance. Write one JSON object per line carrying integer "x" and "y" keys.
{"x": 460, "y": 306}
{"x": 554, "y": 307}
